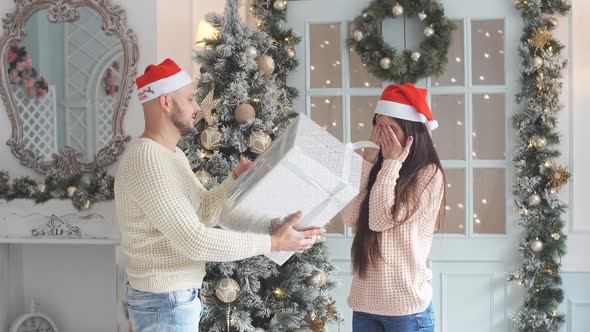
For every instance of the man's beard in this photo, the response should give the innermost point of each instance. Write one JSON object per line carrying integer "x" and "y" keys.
{"x": 184, "y": 127}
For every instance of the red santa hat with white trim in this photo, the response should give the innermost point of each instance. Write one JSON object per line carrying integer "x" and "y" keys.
{"x": 160, "y": 79}
{"x": 406, "y": 102}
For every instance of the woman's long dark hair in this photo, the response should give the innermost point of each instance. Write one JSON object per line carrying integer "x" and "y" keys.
{"x": 366, "y": 246}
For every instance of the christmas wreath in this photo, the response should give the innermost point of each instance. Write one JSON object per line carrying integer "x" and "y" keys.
{"x": 386, "y": 62}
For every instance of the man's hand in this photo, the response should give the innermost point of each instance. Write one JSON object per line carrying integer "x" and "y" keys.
{"x": 287, "y": 238}
{"x": 244, "y": 165}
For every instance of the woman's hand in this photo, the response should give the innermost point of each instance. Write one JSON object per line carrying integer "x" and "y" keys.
{"x": 391, "y": 148}
{"x": 372, "y": 154}
{"x": 244, "y": 165}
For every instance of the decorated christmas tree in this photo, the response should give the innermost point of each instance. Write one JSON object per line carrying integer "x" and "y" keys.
{"x": 247, "y": 104}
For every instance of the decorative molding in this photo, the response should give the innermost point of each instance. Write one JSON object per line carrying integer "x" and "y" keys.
{"x": 56, "y": 226}
{"x": 114, "y": 24}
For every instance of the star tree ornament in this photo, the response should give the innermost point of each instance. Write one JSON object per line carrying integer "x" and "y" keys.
{"x": 207, "y": 106}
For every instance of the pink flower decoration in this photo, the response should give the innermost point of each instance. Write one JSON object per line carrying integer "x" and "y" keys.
{"x": 41, "y": 93}
{"x": 11, "y": 56}
{"x": 20, "y": 66}
{"x": 29, "y": 82}
{"x": 29, "y": 92}
{"x": 13, "y": 76}
{"x": 28, "y": 61}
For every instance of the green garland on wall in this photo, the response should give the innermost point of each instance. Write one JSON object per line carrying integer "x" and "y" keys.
{"x": 83, "y": 191}
{"x": 538, "y": 177}
{"x": 383, "y": 60}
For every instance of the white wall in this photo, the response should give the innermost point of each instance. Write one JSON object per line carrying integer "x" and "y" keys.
{"x": 74, "y": 284}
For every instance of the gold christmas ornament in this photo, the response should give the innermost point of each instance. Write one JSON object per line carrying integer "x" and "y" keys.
{"x": 397, "y": 10}
{"x": 385, "y": 63}
{"x": 227, "y": 290}
{"x": 316, "y": 324}
{"x": 537, "y": 245}
{"x": 244, "y": 113}
{"x": 204, "y": 177}
{"x": 541, "y": 37}
{"x": 316, "y": 279}
{"x": 207, "y": 106}
{"x": 523, "y": 211}
{"x": 211, "y": 138}
{"x": 559, "y": 177}
{"x": 41, "y": 187}
{"x": 554, "y": 22}
{"x": 70, "y": 191}
{"x": 416, "y": 56}
{"x": 265, "y": 64}
{"x": 259, "y": 141}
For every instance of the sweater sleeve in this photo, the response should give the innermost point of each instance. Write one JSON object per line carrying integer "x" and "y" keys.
{"x": 157, "y": 192}
{"x": 351, "y": 212}
{"x": 212, "y": 202}
{"x": 382, "y": 197}
{"x": 429, "y": 187}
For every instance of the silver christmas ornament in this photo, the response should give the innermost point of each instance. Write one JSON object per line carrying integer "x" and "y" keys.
{"x": 537, "y": 245}
{"x": 534, "y": 200}
{"x": 416, "y": 56}
{"x": 422, "y": 16}
{"x": 553, "y": 21}
{"x": 358, "y": 35}
{"x": 397, "y": 10}
{"x": 555, "y": 236}
{"x": 385, "y": 63}
{"x": 428, "y": 31}
{"x": 70, "y": 191}
{"x": 279, "y": 5}
{"x": 41, "y": 187}
{"x": 251, "y": 51}
{"x": 523, "y": 211}
{"x": 259, "y": 329}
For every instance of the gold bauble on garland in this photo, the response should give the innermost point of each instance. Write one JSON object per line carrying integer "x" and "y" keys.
{"x": 211, "y": 138}
{"x": 244, "y": 113}
{"x": 227, "y": 290}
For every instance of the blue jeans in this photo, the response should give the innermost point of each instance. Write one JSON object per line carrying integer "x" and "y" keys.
{"x": 178, "y": 311}
{"x": 420, "y": 322}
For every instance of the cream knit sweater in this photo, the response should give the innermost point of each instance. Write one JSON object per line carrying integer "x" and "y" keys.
{"x": 166, "y": 218}
{"x": 400, "y": 284}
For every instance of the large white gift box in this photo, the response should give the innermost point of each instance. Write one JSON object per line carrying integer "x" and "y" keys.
{"x": 306, "y": 169}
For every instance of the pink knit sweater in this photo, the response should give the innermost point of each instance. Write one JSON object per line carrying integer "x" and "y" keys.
{"x": 400, "y": 284}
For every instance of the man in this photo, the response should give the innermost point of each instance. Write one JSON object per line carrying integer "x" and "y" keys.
{"x": 166, "y": 216}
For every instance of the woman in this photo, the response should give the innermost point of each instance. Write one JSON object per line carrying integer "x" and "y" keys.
{"x": 395, "y": 215}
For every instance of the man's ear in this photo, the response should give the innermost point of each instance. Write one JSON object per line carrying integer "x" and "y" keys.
{"x": 165, "y": 102}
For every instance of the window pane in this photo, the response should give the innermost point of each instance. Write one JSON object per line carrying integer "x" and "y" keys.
{"x": 327, "y": 112}
{"x": 455, "y": 71}
{"x": 454, "y": 219}
{"x": 487, "y": 52}
{"x": 489, "y": 126}
{"x": 325, "y": 68}
{"x": 359, "y": 76}
{"x": 362, "y": 109}
{"x": 449, "y": 137}
{"x": 489, "y": 201}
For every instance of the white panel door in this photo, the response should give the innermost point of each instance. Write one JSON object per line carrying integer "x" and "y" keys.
{"x": 473, "y": 102}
